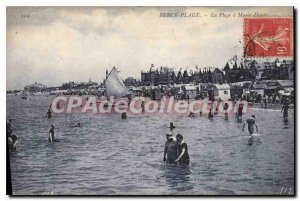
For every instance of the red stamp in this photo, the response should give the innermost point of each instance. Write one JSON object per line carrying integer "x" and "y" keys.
{"x": 268, "y": 37}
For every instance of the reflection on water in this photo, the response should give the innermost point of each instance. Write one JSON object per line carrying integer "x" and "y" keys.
{"x": 286, "y": 123}
{"x": 178, "y": 177}
{"x": 254, "y": 141}
{"x": 108, "y": 155}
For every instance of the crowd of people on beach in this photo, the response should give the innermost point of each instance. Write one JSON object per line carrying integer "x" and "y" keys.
{"x": 269, "y": 98}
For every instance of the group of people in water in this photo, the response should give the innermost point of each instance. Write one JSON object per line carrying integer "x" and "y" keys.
{"x": 51, "y": 136}
{"x": 176, "y": 149}
{"x": 210, "y": 115}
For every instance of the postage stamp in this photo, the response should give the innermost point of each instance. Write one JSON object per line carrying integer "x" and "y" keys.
{"x": 268, "y": 37}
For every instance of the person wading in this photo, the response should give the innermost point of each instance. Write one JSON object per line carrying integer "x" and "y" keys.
{"x": 183, "y": 158}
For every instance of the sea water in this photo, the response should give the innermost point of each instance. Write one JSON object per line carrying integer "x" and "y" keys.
{"x": 111, "y": 156}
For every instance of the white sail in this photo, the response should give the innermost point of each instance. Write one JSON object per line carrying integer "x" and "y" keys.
{"x": 114, "y": 85}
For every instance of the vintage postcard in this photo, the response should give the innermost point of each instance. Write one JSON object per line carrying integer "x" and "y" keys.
{"x": 150, "y": 100}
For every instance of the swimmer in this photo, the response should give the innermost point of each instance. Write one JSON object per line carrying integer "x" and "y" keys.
{"x": 77, "y": 125}
{"x": 124, "y": 115}
{"x": 192, "y": 114}
{"x": 48, "y": 114}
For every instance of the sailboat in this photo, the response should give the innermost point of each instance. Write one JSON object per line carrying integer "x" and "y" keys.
{"x": 115, "y": 91}
{"x": 115, "y": 86}
{"x": 24, "y": 94}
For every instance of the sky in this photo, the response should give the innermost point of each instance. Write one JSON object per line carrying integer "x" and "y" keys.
{"x": 53, "y": 45}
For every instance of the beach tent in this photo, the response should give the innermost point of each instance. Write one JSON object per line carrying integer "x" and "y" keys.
{"x": 259, "y": 88}
{"x": 190, "y": 90}
{"x": 222, "y": 91}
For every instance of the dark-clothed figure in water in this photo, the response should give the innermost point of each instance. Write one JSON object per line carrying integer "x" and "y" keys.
{"x": 52, "y": 137}
{"x": 12, "y": 142}
{"x": 183, "y": 158}
{"x": 226, "y": 106}
{"x": 240, "y": 113}
{"x": 172, "y": 131}
{"x": 124, "y": 115}
{"x": 143, "y": 106}
{"x": 48, "y": 114}
{"x": 192, "y": 114}
{"x": 171, "y": 150}
{"x": 77, "y": 125}
{"x": 285, "y": 110}
{"x": 200, "y": 114}
{"x": 251, "y": 123}
{"x": 210, "y": 115}
{"x": 11, "y": 138}
{"x": 9, "y": 128}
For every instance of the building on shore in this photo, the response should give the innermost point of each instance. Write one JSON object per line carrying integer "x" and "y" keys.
{"x": 217, "y": 76}
{"x": 36, "y": 87}
{"x": 130, "y": 81}
{"x": 240, "y": 76}
{"x": 235, "y": 70}
{"x": 78, "y": 85}
{"x": 189, "y": 90}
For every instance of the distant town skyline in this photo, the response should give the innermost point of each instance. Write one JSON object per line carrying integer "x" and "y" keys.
{"x": 234, "y": 71}
{"x": 53, "y": 45}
